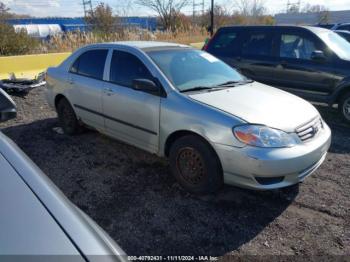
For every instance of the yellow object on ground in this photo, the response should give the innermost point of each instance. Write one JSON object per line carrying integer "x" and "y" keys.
{"x": 29, "y": 66}
{"x": 197, "y": 45}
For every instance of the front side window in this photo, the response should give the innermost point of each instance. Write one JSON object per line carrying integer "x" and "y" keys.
{"x": 126, "y": 67}
{"x": 90, "y": 64}
{"x": 259, "y": 44}
{"x": 297, "y": 47}
{"x": 189, "y": 68}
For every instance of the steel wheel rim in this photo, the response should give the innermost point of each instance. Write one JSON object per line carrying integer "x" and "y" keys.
{"x": 190, "y": 165}
{"x": 346, "y": 108}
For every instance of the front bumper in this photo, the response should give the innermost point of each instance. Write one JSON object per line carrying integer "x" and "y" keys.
{"x": 271, "y": 168}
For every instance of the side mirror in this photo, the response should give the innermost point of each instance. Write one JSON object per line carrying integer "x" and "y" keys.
{"x": 145, "y": 85}
{"x": 318, "y": 56}
{"x": 7, "y": 107}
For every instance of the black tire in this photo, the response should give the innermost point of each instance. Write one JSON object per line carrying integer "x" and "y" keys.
{"x": 195, "y": 165}
{"x": 67, "y": 118}
{"x": 344, "y": 107}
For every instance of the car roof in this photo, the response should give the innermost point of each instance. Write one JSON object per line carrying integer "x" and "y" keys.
{"x": 140, "y": 44}
{"x": 310, "y": 28}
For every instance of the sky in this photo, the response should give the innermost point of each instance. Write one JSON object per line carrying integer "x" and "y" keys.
{"x": 74, "y": 8}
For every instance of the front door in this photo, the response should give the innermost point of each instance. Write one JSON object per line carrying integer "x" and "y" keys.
{"x": 130, "y": 115}
{"x": 297, "y": 70}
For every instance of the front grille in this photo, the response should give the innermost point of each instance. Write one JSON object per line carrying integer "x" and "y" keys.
{"x": 310, "y": 129}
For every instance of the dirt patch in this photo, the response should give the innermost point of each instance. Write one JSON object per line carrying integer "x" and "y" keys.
{"x": 131, "y": 194}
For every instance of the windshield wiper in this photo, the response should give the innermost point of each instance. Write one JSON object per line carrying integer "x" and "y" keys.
{"x": 197, "y": 88}
{"x": 233, "y": 83}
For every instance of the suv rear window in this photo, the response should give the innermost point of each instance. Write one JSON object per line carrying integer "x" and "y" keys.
{"x": 90, "y": 64}
{"x": 225, "y": 43}
{"x": 257, "y": 43}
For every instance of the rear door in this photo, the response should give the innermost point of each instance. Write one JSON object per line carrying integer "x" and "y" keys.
{"x": 86, "y": 80}
{"x": 130, "y": 115}
{"x": 257, "y": 60}
{"x": 296, "y": 69}
{"x": 226, "y": 45}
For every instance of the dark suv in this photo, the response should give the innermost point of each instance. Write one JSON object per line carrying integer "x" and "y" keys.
{"x": 311, "y": 62}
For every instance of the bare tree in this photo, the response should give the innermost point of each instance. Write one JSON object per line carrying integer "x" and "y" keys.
{"x": 314, "y": 8}
{"x": 320, "y": 10}
{"x": 168, "y": 10}
{"x": 250, "y": 11}
{"x": 101, "y": 19}
{"x": 4, "y": 14}
{"x": 252, "y": 8}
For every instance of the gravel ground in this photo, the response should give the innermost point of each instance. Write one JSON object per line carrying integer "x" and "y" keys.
{"x": 131, "y": 194}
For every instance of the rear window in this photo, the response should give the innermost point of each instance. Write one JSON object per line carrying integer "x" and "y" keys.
{"x": 90, "y": 64}
{"x": 257, "y": 44}
{"x": 225, "y": 43}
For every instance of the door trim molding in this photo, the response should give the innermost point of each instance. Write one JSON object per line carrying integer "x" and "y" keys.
{"x": 116, "y": 120}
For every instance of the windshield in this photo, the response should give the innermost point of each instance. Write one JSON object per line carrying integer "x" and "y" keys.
{"x": 189, "y": 69}
{"x": 337, "y": 43}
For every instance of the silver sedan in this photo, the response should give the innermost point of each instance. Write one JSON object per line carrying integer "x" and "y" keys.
{"x": 213, "y": 124}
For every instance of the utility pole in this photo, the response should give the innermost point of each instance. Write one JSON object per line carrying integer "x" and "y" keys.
{"x": 212, "y": 19}
{"x": 87, "y": 7}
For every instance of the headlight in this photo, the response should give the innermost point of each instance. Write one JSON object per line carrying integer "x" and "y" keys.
{"x": 263, "y": 136}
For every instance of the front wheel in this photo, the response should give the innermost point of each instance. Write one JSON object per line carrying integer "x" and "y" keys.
{"x": 344, "y": 107}
{"x": 195, "y": 165}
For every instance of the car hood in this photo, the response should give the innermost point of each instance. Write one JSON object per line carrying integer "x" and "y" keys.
{"x": 261, "y": 104}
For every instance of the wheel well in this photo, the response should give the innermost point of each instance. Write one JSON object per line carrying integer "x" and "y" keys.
{"x": 342, "y": 93}
{"x": 178, "y": 134}
{"x": 58, "y": 98}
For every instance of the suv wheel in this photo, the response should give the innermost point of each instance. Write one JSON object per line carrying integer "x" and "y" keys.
{"x": 195, "y": 165}
{"x": 344, "y": 107}
{"x": 67, "y": 118}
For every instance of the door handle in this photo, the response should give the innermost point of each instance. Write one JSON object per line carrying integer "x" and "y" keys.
{"x": 109, "y": 91}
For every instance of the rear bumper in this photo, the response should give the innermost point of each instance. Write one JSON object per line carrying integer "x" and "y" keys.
{"x": 264, "y": 168}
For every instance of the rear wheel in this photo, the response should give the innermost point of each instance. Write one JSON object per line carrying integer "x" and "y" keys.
{"x": 195, "y": 165}
{"x": 67, "y": 118}
{"x": 344, "y": 107}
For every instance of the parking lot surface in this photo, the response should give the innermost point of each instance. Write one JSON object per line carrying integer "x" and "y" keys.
{"x": 132, "y": 195}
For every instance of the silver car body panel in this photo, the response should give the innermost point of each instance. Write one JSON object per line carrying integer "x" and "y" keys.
{"x": 147, "y": 121}
{"x": 36, "y": 218}
{"x": 25, "y": 224}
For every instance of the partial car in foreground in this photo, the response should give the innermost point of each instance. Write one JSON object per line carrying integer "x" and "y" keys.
{"x": 214, "y": 124}
{"x": 311, "y": 62}
{"x": 37, "y": 222}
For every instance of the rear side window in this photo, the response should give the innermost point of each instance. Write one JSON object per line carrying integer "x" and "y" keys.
{"x": 297, "y": 47}
{"x": 225, "y": 43}
{"x": 344, "y": 27}
{"x": 126, "y": 67}
{"x": 90, "y": 64}
{"x": 257, "y": 44}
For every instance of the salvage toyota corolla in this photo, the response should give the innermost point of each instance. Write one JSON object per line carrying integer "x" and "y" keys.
{"x": 215, "y": 125}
